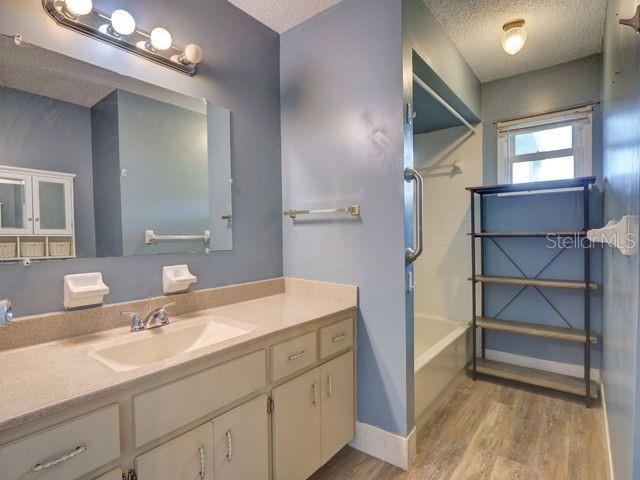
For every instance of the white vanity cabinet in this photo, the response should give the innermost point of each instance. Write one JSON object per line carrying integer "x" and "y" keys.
{"x": 296, "y": 427}
{"x": 277, "y": 408}
{"x": 313, "y": 418}
{"x": 188, "y": 457}
{"x": 233, "y": 446}
{"x": 241, "y": 442}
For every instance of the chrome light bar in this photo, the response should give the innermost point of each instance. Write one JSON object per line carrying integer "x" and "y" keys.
{"x": 97, "y": 24}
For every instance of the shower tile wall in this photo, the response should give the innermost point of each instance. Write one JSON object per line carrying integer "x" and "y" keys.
{"x": 442, "y": 288}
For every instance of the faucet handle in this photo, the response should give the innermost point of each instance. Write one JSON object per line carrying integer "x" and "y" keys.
{"x": 164, "y": 307}
{"x": 137, "y": 324}
{"x": 6, "y": 312}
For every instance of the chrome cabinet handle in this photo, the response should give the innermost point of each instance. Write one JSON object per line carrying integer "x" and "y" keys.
{"x": 330, "y": 382}
{"x": 203, "y": 465}
{"x": 297, "y": 355}
{"x": 37, "y": 219}
{"x": 52, "y": 463}
{"x": 339, "y": 337}
{"x": 412, "y": 254}
{"x": 315, "y": 395}
{"x": 229, "y": 446}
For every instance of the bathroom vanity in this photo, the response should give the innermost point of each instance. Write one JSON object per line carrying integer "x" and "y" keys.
{"x": 254, "y": 381}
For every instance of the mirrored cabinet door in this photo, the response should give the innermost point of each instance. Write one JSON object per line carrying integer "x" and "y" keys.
{"x": 15, "y": 203}
{"x": 52, "y": 206}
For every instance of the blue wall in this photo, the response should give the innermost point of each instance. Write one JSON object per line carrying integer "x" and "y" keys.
{"x": 240, "y": 72}
{"x": 538, "y": 91}
{"x": 621, "y": 359}
{"x": 342, "y": 143}
{"x": 559, "y": 86}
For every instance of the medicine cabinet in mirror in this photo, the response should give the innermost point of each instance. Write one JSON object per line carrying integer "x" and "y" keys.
{"x": 95, "y": 164}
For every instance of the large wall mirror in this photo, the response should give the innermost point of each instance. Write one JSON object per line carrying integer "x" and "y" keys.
{"x": 95, "y": 164}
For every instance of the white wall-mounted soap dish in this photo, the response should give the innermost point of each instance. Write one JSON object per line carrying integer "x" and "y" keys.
{"x": 84, "y": 289}
{"x": 177, "y": 278}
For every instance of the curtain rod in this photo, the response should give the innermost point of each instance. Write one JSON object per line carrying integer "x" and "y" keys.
{"x": 592, "y": 103}
{"x": 442, "y": 101}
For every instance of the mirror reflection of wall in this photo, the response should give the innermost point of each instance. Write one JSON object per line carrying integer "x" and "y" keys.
{"x": 148, "y": 153}
{"x": 134, "y": 157}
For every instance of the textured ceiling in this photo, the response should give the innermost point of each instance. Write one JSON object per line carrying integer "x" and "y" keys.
{"x": 281, "y": 15}
{"x": 557, "y": 31}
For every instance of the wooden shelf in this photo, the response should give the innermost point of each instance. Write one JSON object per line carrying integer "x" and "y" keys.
{"x": 535, "y": 282}
{"x": 527, "y": 234}
{"x": 539, "y": 378}
{"x": 558, "y": 333}
{"x": 533, "y": 186}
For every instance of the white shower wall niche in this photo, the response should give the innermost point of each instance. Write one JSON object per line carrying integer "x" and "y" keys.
{"x": 36, "y": 214}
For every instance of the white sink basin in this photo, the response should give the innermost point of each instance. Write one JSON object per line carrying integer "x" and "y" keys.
{"x": 164, "y": 343}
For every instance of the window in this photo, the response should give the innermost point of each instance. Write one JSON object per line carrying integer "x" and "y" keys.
{"x": 546, "y": 147}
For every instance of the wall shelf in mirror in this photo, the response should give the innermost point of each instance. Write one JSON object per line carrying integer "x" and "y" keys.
{"x": 37, "y": 212}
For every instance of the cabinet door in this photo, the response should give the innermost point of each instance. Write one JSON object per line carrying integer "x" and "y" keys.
{"x": 337, "y": 405}
{"x": 296, "y": 427}
{"x": 52, "y": 205}
{"x": 241, "y": 442}
{"x": 16, "y": 214}
{"x": 188, "y": 457}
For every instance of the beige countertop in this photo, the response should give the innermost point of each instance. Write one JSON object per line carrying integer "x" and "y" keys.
{"x": 43, "y": 379}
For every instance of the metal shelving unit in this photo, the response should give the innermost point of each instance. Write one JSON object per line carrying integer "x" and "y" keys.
{"x": 527, "y": 375}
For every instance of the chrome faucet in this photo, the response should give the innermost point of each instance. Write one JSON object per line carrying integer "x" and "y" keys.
{"x": 156, "y": 318}
{"x": 6, "y": 312}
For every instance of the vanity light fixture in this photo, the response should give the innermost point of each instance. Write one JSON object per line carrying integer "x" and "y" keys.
{"x": 514, "y": 36}
{"x": 119, "y": 29}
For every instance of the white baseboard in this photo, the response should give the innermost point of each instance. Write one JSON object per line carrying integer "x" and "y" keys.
{"x": 386, "y": 446}
{"x": 610, "y": 472}
{"x": 539, "y": 364}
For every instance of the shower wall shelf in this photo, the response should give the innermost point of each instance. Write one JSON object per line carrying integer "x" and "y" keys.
{"x": 578, "y": 386}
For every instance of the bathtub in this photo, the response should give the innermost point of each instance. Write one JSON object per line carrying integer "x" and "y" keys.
{"x": 442, "y": 350}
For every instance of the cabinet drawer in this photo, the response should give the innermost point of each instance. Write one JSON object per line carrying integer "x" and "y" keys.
{"x": 171, "y": 406}
{"x": 336, "y": 337}
{"x": 115, "y": 474}
{"x": 293, "y": 355}
{"x": 187, "y": 457}
{"x": 65, "y": 451}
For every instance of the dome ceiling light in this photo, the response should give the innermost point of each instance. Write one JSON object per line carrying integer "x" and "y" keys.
{"x": 514, "y": 36}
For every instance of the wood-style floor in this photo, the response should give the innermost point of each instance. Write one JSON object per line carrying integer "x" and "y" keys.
{"x": 495, "y": 430}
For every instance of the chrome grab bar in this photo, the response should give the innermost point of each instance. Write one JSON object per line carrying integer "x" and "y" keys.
{"x": 411, "y": 175}
{"x": 151, "y": 238}
{"x": 353, "y": 210}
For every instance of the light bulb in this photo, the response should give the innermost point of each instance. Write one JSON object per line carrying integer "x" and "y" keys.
{"x": 193, "y": 53}
{"x": 78, "y": 7}
{"x": 160, "y": 39}
{"x": 514, "y": 36}
{"x": 122, "y": 22}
